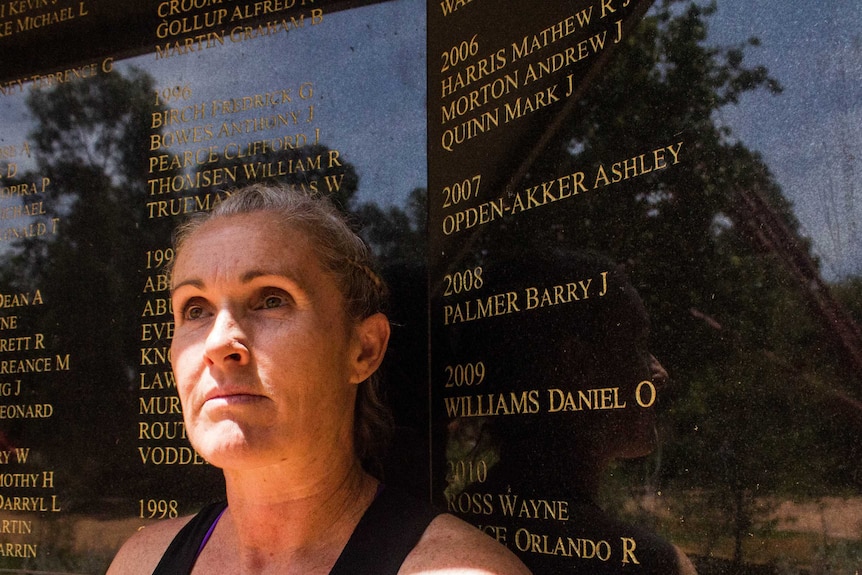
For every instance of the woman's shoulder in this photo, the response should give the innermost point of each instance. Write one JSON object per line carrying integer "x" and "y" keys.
{"x": 142, "y": 551}
{"x": 459, "y": 548}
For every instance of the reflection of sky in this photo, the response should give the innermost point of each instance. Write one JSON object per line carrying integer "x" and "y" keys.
{"x": 811, "y": 135}
{"x": 368, "y": 69}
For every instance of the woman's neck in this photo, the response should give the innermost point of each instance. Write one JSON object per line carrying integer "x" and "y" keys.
{"x": 273, "y": 514}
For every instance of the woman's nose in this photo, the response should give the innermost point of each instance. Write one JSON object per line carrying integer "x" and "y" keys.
{"x": 226, "y": 342}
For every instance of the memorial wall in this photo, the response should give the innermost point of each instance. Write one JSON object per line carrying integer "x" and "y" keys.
{"x": 622, "y": 239}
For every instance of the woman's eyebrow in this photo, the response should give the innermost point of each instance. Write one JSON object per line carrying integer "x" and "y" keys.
{"x": 193, "y": 282}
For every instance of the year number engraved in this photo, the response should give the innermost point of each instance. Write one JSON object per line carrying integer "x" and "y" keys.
{"x": 461, "y": 191}
{"x": 158, "y": 258}
{"x": 157, "y": 508}
{"x": 465, "y": 374}
{"x": 172, "y": 94}
{"x": 462, "y": 282}
{"x": 467, "y": 472}
{"x": 460, "y": 53}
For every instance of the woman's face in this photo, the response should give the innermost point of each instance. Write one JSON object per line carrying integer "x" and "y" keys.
{"x": 263, "y": 352}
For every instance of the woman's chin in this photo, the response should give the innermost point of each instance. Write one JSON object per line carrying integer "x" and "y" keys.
{"x": 226, "y": 444}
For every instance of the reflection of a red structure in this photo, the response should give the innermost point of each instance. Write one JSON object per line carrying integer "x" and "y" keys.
{"x": 5, "y": 444}
{"x": 773, "y": 234}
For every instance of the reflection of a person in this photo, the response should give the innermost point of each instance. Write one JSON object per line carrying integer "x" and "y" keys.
{"x": 577, "y": 356}
{"x": 278, "y": 333}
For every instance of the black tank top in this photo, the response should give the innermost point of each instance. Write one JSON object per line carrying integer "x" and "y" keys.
{"x": 387, "y": 532}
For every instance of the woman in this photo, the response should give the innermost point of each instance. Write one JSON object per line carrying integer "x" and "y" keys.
{"x": 278, "y": 333}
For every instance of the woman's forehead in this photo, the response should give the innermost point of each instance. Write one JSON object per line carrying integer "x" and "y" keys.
{"x": 242, "y": 242}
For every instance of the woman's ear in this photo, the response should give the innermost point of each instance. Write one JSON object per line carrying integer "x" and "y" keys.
{"x": 373, "y": 338}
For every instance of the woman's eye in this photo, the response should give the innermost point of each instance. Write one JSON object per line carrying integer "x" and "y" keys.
{"x": 193, "y": 310}
{"x": 273, "y": 300}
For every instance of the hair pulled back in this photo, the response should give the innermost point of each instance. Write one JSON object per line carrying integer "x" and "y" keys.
{"x": 346, "y": 256}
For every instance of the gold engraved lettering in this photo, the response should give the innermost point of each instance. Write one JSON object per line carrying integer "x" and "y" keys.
{"x": 638, "y": 165}
{"x": 478, "y": 98}
{"x": 158, "y": 307}
{"x": 169, "y": 117}
{"x": 23, "y": 343}
{"x": 534, "y": 42}
{"x": 161, "y": 430}
{"x": 20, "y": 480}
{"x": 449, "y": 6}
{"x": 548, "y": 192}
{"x": 528, "y": 105}
{"x": 473, "y": 73}
{"x": 36, "y": 229}
{"x": 188, "y": 158}
{"x": 39, "y": 504}
{"x": 155, "y": 355}
{"x": 197, "y": 180}
{"x": 495, "y": 531}
{"x": 170, "y": 456}
{"x": 65, "y": 76}
{"x": 584, "y": 399}
{"x": 157, "y": 331}
{"x": 564, "y": 293}
{"x": 629, "y": 546}
{"x": 161, "y": 380}
{"x": 492, "y": 404}
{"x": 235, "y": 151}
{"x": 10, "y": 388}
{"x": 547, "y": 509}
{"x": 580, "y": 548}
{"x": 29, "y": 23}
{"x": 265, "y": 7}
{"x": 25, "y": 189}
{"x": 465, "y": 219}
{"x": 21, "y": 550}
{"x": 159, "y": 405}
{"x": 21, "y": 455}
{"x": 190, "y": 45}
{"x": 156, "y": 284}
{"x": 470, "y": 503}
{"x": 29, "y": 411}
{"x": 189, "y": 24}
{"x": 29, "y": 210}
{"x": 34, "y": 365}
{"x": 16, "y": 526}
{"x": 186, "y": 205}
{"x": 491, "y": 306}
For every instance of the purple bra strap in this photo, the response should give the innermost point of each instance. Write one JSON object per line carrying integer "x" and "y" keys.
{"x": 210, "y": 532}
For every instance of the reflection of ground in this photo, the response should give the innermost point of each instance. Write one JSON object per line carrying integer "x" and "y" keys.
{"x": 829, "y": 516}
{"x": 822, "y": 535}
{"x": 69, "y": 544}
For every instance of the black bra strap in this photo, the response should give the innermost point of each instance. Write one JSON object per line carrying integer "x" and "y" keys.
{"x": 387, "y": 532}
{"x": 183, "y": 551}
{"x": 385, "y": 535}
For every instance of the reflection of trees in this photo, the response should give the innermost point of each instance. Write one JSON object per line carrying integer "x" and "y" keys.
{"x": 752, "y": 417}
{"x": 90, "y": 139}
